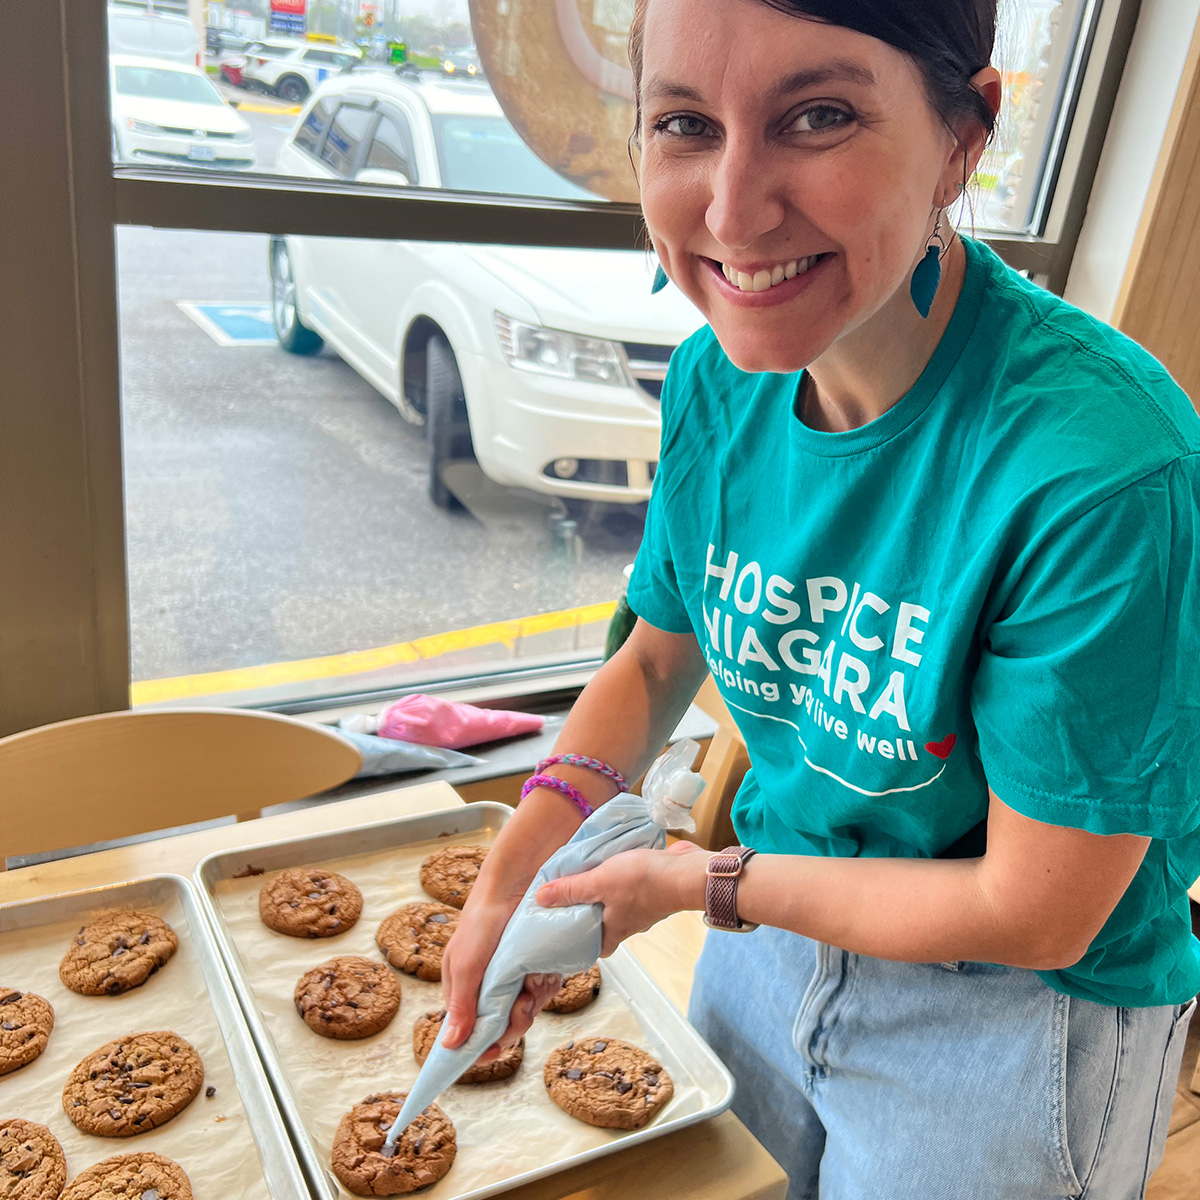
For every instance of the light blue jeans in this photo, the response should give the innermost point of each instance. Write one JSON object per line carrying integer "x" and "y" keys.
{"x": 876, "y": 1080}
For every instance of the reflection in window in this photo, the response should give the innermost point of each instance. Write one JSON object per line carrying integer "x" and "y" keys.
{"x": 345, "y": 134}
{"x": 162, "y": 83}
{"x": 390, "y": 150}
{"x": 484, "y": 154}
{"x": 270, "y": 49}
{"x": 309, "y": 135}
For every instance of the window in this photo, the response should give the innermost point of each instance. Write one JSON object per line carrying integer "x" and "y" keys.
{"x": 311, "y": 131}
{"x": 391, "y": 147}
{"x": 484, "y": 154}
{"x": 270, "y": 50}
{"x": 158, "y": 83}
{"x": 349, "y": 128}
{"x": 270, "y": 492}
{"x": 329, "y": 58}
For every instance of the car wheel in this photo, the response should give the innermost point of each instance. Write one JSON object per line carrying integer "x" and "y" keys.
{"x": 293, "y": 88}
{"x": 446, "y": 421}
{"x": 294, "y": 336}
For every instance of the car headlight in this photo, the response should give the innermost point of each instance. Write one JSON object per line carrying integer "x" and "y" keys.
{"x": 143, "y": 126}
{"x": 554, "y": 352}
{"x": 246, "y": 135}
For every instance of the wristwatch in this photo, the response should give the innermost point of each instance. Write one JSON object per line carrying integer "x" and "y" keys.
{"x": 720, "y": 890}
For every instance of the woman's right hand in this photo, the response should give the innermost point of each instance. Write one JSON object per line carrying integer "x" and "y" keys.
{"x": 466, "y": 958}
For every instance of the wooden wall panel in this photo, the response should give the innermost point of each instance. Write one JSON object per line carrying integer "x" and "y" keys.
{"x": 1159, "y": 302}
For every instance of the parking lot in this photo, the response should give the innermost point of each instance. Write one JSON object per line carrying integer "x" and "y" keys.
{"x": 278, "y": 506}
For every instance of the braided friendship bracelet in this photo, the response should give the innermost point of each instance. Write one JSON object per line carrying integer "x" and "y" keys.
{"x": 590, "y": 764}
{"x": 558, "y": 785}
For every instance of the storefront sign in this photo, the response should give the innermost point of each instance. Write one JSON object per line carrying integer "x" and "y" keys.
{"x": 288, "y": 16}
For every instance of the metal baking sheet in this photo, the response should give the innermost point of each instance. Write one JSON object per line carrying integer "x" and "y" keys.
{"x": 234, "y": 1144}
{"x": 509, "y": 1132}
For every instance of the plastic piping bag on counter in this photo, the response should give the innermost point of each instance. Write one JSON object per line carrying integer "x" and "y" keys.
{"x": 561, "y": 941}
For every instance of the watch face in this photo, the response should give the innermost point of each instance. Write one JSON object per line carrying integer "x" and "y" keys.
{"x": 560, "y": 69}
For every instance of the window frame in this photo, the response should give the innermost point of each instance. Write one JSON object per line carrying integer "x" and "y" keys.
{"x": 66, "y": 652}
{"x": 369, "y": 111}
{"x": 398, "y": 117}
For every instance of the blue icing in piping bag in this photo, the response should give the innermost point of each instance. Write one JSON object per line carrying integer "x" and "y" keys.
{"x": 561, "y": 941}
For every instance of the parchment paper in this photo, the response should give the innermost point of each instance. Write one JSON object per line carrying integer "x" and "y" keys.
{"x": 504, "y": 1128}
{"x": 211, "y": 1138}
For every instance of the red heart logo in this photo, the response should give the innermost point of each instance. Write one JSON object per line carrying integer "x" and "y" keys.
{"x": 942, "y": 749}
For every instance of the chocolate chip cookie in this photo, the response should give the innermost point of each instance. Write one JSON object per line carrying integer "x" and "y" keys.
{"x": 607, "y": 1082}
{"x": 309, "y": 903}
{"x": 348, "y": 997}
{"x": 425, "y": 1033}
{"x": 32, "y": 1163}
{"x": 414, "y": 938}
{"x": 142, "y": 1176}
{"x": 422, "y": 1156}
{"x": 25, "y": 1024}
{"x": 117, "y": 952}
{"x": 577, "y": 991}
{"x": 133, "y": 1085}
{"x": 449, "y": 874}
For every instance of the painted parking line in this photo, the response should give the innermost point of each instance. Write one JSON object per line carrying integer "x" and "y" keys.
{"x": 273, "y": 110}
{"x": 232, "y": 324}
{"x": 242, "y": 679}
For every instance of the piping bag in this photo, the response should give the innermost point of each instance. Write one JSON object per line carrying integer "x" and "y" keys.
{"x": 561, "y": 941}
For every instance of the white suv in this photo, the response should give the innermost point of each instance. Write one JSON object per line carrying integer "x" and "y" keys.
{"x": 544, "y": 365}
{"x": 292, "y": 69}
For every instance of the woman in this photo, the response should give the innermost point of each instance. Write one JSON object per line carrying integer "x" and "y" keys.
{"x": 936, "y": 539}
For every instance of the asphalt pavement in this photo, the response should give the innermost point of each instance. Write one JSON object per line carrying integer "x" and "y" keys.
{"x": 271, "y": 120}
{"x": 277, "y": 506}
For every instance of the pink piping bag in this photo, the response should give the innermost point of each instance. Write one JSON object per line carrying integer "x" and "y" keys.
{"x": 434, "y": 721}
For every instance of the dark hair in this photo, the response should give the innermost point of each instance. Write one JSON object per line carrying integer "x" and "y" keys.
{"x": 948, "y": 40}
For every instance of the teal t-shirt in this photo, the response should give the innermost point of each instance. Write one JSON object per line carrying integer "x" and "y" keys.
{"x": 995, "y": 582}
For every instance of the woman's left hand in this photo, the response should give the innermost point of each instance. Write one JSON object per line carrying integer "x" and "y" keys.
{"x": 637, "y": 888}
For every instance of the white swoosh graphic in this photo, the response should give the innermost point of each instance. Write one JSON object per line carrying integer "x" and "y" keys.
{"x": 608, "y": 76}
{"x": 825, "y": 770}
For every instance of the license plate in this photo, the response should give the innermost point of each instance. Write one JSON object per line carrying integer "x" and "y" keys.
{"x": 202, "y": 153}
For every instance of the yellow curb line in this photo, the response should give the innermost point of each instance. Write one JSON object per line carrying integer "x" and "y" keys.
{"x": 275, "y": 112}
{"x": 181, "y": 687}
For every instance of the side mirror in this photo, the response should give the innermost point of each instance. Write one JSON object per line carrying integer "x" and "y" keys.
{"x": 379, "y": 175}
{"x": 234, "y": 103}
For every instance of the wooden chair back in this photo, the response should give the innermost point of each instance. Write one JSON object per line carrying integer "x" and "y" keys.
{"x": 723, "y": 769}
{"x": 110, "y": 776}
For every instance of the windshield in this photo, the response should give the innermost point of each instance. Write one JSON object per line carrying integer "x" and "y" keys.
{"x": 158, "y": 84}
{"x": 484, "y": 154}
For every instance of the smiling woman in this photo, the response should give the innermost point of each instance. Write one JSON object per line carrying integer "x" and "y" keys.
{"x": 914, "y": 514}
{"x": 842, "y": 167}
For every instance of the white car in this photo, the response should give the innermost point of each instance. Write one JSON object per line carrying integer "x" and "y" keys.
{"x": 149, "y": 34}
{"x": 544, "y": 365}
{"x": 164, "y": 112}
{"x": 292, "y": 69}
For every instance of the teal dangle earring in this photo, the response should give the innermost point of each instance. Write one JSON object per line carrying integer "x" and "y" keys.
{"x": 660, "y": 281}
{"x": 928, "y": 273}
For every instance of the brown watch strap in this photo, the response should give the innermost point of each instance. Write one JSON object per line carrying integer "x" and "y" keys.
{"x": 720, "y": 891}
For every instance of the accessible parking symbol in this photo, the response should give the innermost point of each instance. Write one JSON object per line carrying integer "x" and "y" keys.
{"x": 236, "y": 324}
